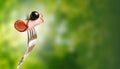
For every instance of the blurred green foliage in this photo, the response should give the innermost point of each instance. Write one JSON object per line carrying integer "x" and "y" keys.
{"x": 76, "y": 34}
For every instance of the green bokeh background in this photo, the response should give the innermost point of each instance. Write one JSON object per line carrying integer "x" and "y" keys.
{"x": 76, "y": 34}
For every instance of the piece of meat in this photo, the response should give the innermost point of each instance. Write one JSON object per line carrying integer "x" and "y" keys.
{"x": 22, "y": 25}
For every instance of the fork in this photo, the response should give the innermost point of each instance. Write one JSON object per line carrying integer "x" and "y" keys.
{"x": 32, "y": 36}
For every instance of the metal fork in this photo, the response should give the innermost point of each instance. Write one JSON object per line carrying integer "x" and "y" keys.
{"x": 32, "y": 36}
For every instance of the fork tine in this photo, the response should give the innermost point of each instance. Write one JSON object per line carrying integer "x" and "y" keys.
{"x": 34, "y": 34}
{"x": 31, "y": 33}
{"x": 28, "y": 33}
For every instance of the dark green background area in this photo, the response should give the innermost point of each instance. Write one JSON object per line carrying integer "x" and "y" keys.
{"x": 76, "y": 34}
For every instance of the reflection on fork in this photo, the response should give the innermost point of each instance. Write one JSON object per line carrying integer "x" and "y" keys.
{"x": 32, "y": 36}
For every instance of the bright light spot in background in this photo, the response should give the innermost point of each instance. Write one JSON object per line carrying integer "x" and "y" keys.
{"x": 60, "y": 30}
{"x": 44, "y": 29}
